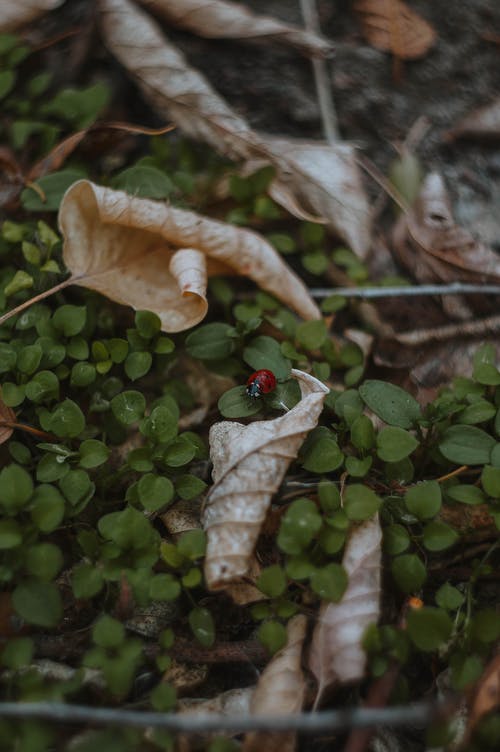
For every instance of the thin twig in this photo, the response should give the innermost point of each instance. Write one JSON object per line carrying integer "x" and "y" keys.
{"x": 406, "y": 291}
{"x": 476, "y": 328}
{"x": 36, "y": 299}
{"x": 321, "y": 78}
{"x": 420, "y": 713}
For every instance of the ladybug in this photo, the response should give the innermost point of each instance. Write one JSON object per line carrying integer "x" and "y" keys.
{"x": 261, "y": 382}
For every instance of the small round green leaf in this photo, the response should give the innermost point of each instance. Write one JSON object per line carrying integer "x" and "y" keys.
{"x": 408, "y": 572}
{"x": 424, "y": 499}
{"x": 202, "y": 626}
{"x": 394, "y": 444}
{"x": 429, "y": 628}
{"x": 391, "y": 403}
{"x": 38, "y": 603}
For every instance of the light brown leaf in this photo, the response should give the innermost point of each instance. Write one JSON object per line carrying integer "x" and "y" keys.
{"x": 16, "y": 13}
{"x": 336, "y": 651}
{"x": 481, "y": 124}
{"x": 152, "y": 256}
{"x": 428, "y": 243}
{"x": 175, "y": 89}
{"x": 249, "y": 463}
{"x": 280, "y": 690}
{"x": 7, "y": 417}
{"x": 312, "y": 178}
{"x": 486, "y": 696}
{"x": 392, "y": 26}
{"x": 326, "y": 180}
{"x": 219, "y": 19}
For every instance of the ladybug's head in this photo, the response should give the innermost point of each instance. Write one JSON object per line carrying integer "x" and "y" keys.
{"x": 254, "y": 390}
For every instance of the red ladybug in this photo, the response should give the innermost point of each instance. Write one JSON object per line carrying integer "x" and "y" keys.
{"x": 261, "y": 382}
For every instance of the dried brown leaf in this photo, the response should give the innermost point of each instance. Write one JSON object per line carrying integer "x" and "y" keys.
{"x": 336, "y": 653}
{"x": 280, "y": 690}
{"x": 16, "y": 13}
{"x": 392, "y": 26}
{"x": 219, "y": 19}
{"x": 486, "y": 696}
{"x": 249, "y": 463}
{"x": 7, "y": 417}
{"x": 152, "y": 256}
{"x": 312, "y": 178}
{"x": 481, "y": 124}
{"x": 428, "y": 243}
{"x": 326, "y": 181}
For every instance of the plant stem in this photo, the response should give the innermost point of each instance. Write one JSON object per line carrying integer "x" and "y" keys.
{"x": 28, "y": 429}
{"x": 36, "y": 299}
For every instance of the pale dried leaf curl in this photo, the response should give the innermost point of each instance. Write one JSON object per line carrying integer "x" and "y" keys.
{"x": 336, "y": 653}
{"x": 249, "y": 463}
{"x": 218, "y": 19}
{"x": 17, "y": 13}
{"x": 151, "y": 256}
{"x": 280, "y": 690}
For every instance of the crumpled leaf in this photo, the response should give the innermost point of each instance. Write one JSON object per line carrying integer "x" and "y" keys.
{"x": 7, "y": 417}
{"x": 218, "y": 19}
{"x": 486, "y": 695}
{"x": 481, "y": 124}
{"x": 280, "y": 690}
{"x": 152, "y": 256}
{"x": 313, "y": 181}
{"x": 16, "y": 14}
{"x": 249, "y": 463}
{"x": 336, "y": 653}
{"x": 326, "y": 180}
{"x": 393, "y": 27}
{"x": 428, "y": 243}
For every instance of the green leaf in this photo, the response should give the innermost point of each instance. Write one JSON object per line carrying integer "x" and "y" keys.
{"x": 466, "y": 445}
{"x": 360, "y": 502}
{"x": 329, "y": 496}
{"x": 272, "y": 581}
{"x": 163, "y": 697}
{"x": 147, "y": 323}
{"x": 189, "y": 486}
{"x": 272, "y": 635}
{"x": 363, "y": 433}
{"x": 429, "y": 628}
{"x": 164, "y": 587}
{"x": 70, "y": 319}
{"x": 438, "y": 536}
{"x": 486, "y": 625}
{"x": 43, "y": 561}
{"x": 20, "y": 281}
{"x": 161, "y": 425}
{"x": 67, "y": 420}
{"x": 11, "y": 534}
{"x": 155, "y": 491}
{"x": 86, "y": 581}
{"x": 7, "y": 81}
{"x": 211, "y": 342}
{"x": 424, "y": 499}
{"x": 128, "y": 407}
{"x": 465, "y": 670}
{"x": 299, "y": 525}
{"x": 29, "y": 358}
{"x": 47, "y": 508}
{"x": 202, "y": 626}
{"x": 138, "y": 364}
{"x": 396, "y": 539}
{"x": 76, "y": 486}
{"x": 391, "y": 403}
{"x": 311, "y": 334}
{"x": 143, "y": 181}
{"x": 12, "y": 394}
{"x": 235, "y": 403}
{"x": 17, "y": 652}
{"x": 93, "y": 453}
{"x": 358, "y": 468}
{"x": 8, "y": 357}
{"x": 108, "y": 632}
{"x": 38, "y": 603}
{"x": 330, "y": 582}
{"x": 79, "y": 107}
{"x": 322, "y": 453}
{"x": 265, "y": 352}
{"x": 479, "y": 412}
{"x": 179, "y": 452}
{"x": 83, "y": 374}
{"x": 408, "y": 572}
{"x": 192, "y": 544}
{"x": 394, "y": 444}
{"x": 466, "y": 494}
{"x": 449, "y": 597}
{"x": 16, "y": 488}
{"x": 485, "y": 370}
{"x": 490, "y": 481}
{"x": 53, "y": 187}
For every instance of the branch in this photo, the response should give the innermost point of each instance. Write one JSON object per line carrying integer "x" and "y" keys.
{"x": 404, "y": 291}
{"x": 421, "y": 713}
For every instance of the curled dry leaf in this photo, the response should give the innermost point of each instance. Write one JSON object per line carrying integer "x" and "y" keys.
{"x": 482, "y": 124}
{"x": 336, "y": 653}
{"x": 393, "y": 27}
{"x": 280, "y": 690}
{"x": 314, "y": 181}
{"x": 232, "y": 702}
{"x": 219, "y": 19}
{"x": 174, "y": 88}
{"x": 249, "y": 463}
{"x": 428, "y": 243}
{"x": 152, "y": 256}
{"x": 326, "y": 181}
{"x": 7, "y": 418}
{"x": 16, "y": 13}
{"x": 486, "y": 695}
